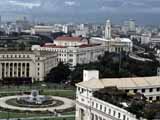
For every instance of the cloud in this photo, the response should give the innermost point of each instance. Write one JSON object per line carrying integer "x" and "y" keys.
{"x": 25, "y": 4}
{"x": 70, "y": 3}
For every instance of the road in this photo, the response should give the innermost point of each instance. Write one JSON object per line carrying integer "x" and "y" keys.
{"x": 134, "y": 55}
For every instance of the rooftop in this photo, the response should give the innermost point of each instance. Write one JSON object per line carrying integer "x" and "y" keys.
{"x": 80, "y": 46}
{"x": 137, "y": 82}
{"x": 68, "y": 38}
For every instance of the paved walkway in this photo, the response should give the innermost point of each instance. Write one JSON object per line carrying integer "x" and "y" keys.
{"x": 38, "y": 118}
{"x": 68, "y": 103}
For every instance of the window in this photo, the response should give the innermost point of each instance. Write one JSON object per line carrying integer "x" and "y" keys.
{"x": 151, "y": 90}
{"x": 158, "y": 89}
{"x": 92, "y": 103}
{"x": 143, "y": 90}
{"x": 104, "y": 109}
{"x": 109, "y": 112}
{"x": 127, "y": 91}
{"x": 135, "y": 90}
{"x": 124, "y": 117}
{"x": 150, "y": 98}
{"x": 114, "y": 113}
{"x": 157, "y": 98}
{"x": 96, "y": 105}
{"x": 100, "y": 107}
{"x": 119, "y": 115}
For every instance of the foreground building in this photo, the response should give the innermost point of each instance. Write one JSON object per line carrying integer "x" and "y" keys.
{"x": 89, "y": 107}
{"x": 33, "y": 65}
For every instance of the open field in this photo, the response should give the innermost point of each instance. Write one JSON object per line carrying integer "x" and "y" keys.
{"x": 47, "y": 89}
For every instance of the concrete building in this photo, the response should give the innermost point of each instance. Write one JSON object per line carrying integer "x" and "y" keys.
{"x": 68, "y": 41}
{"x": 43, "y": 30}
{"x": 114, "y": 45}
{"x": 74, "y": 55}
{"x": 27, "y": 64}
{"x": 108, "y": 30}
{"x": 89, "y": 107}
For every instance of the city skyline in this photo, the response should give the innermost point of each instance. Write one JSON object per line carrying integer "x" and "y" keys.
{"x": 144, "y": 11}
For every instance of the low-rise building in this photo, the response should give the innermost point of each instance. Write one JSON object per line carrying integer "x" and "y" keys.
{"x": 33, "y": 65}
{"x": 114, "y": 45}
{"x": 74, "y": 55}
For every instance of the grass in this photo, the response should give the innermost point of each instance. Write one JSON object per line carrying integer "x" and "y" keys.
{"x": 71, "y": 118}
{"x": 50, "y": 90}
{"x": 4, "y": 115}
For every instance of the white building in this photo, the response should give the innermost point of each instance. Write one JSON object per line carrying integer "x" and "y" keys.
{"x": 74, "y": 55}
{"x": 114, "y": 45}
{"x": 26, "y": 64}
{"x": 68, "y": 41}
{"x": 44, "y": 30}
{"x": 90, "y": 108}
{"x": 108, "y": 30}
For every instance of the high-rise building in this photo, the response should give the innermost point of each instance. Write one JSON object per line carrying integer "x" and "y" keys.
{"x": 108, "y": 30}
{"x": 129, "y": 25}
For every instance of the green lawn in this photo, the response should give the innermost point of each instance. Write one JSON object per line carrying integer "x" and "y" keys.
{"x": 51, "y": 89}
{"x": 25, "y": 115}
{"x": 57, "y": 119}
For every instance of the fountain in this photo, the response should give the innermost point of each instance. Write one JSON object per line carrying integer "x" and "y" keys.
{"x": 34, "y": 98}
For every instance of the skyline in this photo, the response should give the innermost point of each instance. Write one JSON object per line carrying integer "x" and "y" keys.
{"x": 95, "y": 11}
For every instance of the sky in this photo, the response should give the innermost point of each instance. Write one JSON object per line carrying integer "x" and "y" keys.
{"x": 143, "y": 11}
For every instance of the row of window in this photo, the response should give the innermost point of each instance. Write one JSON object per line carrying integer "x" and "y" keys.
{"x": 15, "y": 64}
{"x": 65, "y": 55}
{"x": 109, "y": 111}
{"x": 15, "y": 56}
{"x": 144, "y": 90}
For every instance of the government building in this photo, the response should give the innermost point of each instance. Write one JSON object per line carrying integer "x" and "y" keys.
{"x": 32, "y": 65}
{"x": 121, "y": 93}
{"x": 79, "y": 50}
{"x": 73, "y": 50}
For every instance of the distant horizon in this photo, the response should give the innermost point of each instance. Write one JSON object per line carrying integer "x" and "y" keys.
{"x": 91, "y": 20}
{"x": 145, "y": 12}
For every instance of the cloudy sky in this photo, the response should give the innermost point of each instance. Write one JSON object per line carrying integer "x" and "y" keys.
{"x": 144, "y": 11}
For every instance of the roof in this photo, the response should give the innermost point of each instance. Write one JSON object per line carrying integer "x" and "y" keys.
{"x": 68, "y": 38}
{"x": 54, "y": 46}
{"x": 130, "y": 83}
{"x": 112, "y": 40}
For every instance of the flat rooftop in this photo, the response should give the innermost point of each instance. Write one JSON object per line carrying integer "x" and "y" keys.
{"x": 122, "y": 83}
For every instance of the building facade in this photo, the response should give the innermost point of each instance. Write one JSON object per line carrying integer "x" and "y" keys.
{"x": 27, "y": 64}
{"x": 90, "y": 108}
{"x": 74, "y": 55}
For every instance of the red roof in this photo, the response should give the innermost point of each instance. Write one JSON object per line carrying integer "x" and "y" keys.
{"x": 54, "y": 46}
{"x": 68, "y": 38}
{"x": 89, "y": 45}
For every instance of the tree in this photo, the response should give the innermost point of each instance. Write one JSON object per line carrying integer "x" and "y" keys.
{"x": 58, "y": 74}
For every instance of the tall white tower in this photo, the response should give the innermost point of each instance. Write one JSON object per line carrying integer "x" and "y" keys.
{"x": 108, "y": 30}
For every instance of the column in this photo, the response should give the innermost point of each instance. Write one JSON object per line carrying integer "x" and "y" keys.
{"x": 17, "y": 69}
{"x": 25, "y": 69}
{"x": 13, "y": 70}
{"x": 8, "y": 69}
{"x": 4, "y": 69}
{"x": 21, "y": 70}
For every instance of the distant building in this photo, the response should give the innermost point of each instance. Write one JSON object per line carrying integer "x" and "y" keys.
{"x": 33, "y": 65}
{"x": 108, "y": 30}
{"x": 70, "y": 41}
{"x": 129, "y": 26}
{"x": 73, "y": 50}
{"x": 42, "y": 30}
{"x": 114, "y": 45}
